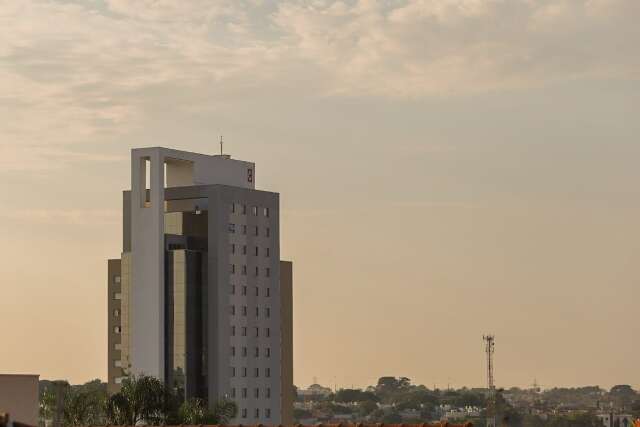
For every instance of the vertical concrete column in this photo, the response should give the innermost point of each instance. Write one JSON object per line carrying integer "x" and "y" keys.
{"x": 147, "y": 263}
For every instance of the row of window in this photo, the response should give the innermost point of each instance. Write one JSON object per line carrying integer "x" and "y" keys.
{"x": 256, "y": 250}
{"x": 243, "y": 331}
{"x": 244, "y": 393}
{"x": 256, "y": 353}
{"x": 267, "y": 270}
{"x": 255, "y": 230}
{"x": 244, "y": 310}
{"x": 243, "y": 289}
{"x": 242, "y": 208}
{"x": 267, "y": 413}
{"x": 256, "y": 372}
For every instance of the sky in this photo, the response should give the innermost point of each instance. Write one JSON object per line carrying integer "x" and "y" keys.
{"x": 447, "y": 169}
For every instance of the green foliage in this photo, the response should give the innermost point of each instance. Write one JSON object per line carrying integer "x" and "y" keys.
{"x": 366, "y": 407}
{"x": 392, "y": 417}
{"x": 81, "y": 408}
{"x": 348, "y": 395}
{"x": 300, "y": 414}
{"x": 223, "y": 411}
{"x": 141, "y": 398}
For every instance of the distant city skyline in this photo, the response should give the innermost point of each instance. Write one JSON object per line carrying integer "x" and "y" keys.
{"x": 448, "y": 168}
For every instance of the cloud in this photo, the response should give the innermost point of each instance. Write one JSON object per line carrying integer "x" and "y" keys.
{"x": 74, "y": 73}
{"x": 439, "y": 47}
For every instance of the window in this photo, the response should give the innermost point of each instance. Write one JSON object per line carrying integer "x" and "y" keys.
{"x": 244, "y": 351}
{"x": 232, "y": 228}
{"x": 257, "y": 272}
{"x": 244, "y": 310}
{"x": 117, "y": 363}
{"x": 244, "y": 412}
{"x": 267, "y": 413}
{"x": 233, "y": 268}
{"x": 117, "y": 295}
{"x": 117, "y": 280}
{"x": 268, "y": 232}
{"x": 267, "y": 331}
{"x": 244, "y": 229}
{"x": 233, "y": 248}
{"x": 233, "y": 393}
{"x": 244, "y": 209}
{"x": 244, "y": 371}
{"x": 233, "y": 208}
{"x": 244, "y": 393}
{"x": 254, "y": 210}
{"x": 268, "y": 392}
{"x": 233, "y": 371}
{"x": 257, "y": 413}
{"x": 267, "y": 312}
{"x": 233, "y": 310}
{"x": 256, "y": 231}
{"x": 233, "y": 289}
{"x": 256, "y": 372}
{"x": 256, "y": 352}
{"x": 257, "y": 332}
{"x": 267, "y": 372}
{"x": 268, "y": 292}
{"x": 116, "y": 313}
{"x": 244, "y": 270}
{"x": 267, "y": 352}
{"x": 119, "y": 380}
{"x": 256, "y": 393}
{"x": 256, "y": 251}
{"x": 257, "y": 291}
{"x": 244, "y": 249}
{"x": 233, "y": 351}
{"x": 117, "y": 329}
{"x": 265, "y": 211}
{"x": 244, "y": 290}
{"x": 267, "y": 252}
{"x": 244, "y": 331}
{"x": 233, "y": 331}
{"x": 118, "y": 346}
{"x": 267, "y": 272}
{"x": 257, "y": 312}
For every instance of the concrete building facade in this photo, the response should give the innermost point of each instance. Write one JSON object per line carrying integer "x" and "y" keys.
{"x": 19, "y": 397}
{"x": 199, "y": 297}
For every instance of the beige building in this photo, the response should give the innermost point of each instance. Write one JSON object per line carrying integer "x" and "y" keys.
{"x": 19, "y": 397}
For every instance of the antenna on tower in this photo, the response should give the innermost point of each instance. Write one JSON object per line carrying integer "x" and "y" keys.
{"x": 491, "y": 402}
{"x": 221, "y": 145}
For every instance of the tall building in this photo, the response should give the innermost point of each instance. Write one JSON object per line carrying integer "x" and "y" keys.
{"x": 199, "y": 297}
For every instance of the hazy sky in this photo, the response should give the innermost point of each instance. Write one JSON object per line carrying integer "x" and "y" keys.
{"x": 447, "y": 168}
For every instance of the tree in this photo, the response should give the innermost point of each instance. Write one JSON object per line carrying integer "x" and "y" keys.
{"x": 194, "y": 411}
{"x": 223, "y": 412}
{"x": 392, "y": 417}
{"x": 347, "y": 395}
{"x": 47, "y": 404}
{"x": 141, "y": 398}
{"x": 81, "y": 408}
{"x": 366, "y": 407}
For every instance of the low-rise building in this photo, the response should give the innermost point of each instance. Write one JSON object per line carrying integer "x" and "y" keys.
{"x": 615, "y": 420}
{"x": 19, "y": 397}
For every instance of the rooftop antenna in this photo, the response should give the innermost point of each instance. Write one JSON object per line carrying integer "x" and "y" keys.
{"x": 221, "y": 145}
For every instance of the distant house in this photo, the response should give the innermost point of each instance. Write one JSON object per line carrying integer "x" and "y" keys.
{"x": 615, "y": 420}
{"x": 315, "y": 390}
